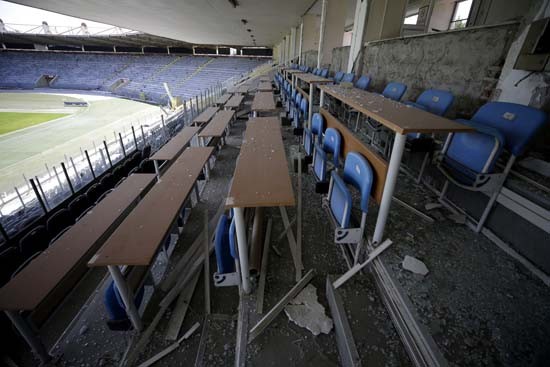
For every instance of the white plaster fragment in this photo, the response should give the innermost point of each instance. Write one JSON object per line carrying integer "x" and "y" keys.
{"x": 431, "y": 206}
{"x": 305, "y": 311}
{"x": 414, "y": 265}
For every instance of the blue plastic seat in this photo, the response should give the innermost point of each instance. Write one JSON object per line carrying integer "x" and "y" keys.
{"x": 357, "y": 173}
{"x": 348, "y": 78}
{"x": 296, "y": 106}
{"x": 394, "y": 90}
{"x": 304, "y": 111}
{"x": 324, "y": 73}
{"x": 338, "y": 77}
{"x": 468, "y": 159}
{"x": 118, "y": 319}
{"x": 363, "y": 82}
{"x": 434, "y": 100}
{"x": 332, "y": 143}
{"x": 315, "y": 134}
{"x": 224, "y": 259}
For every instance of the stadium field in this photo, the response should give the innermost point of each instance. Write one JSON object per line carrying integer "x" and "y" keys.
{"x": 12, "y": 121}
{"x": 26, "y": 151}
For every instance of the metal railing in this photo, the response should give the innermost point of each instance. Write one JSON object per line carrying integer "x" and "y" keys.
{"x": 43, "y": 192}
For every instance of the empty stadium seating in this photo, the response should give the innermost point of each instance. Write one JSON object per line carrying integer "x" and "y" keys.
{"x": 140, "y": 76}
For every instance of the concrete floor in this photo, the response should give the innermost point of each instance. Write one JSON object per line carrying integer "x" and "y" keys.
{"x": 481, "y": 307}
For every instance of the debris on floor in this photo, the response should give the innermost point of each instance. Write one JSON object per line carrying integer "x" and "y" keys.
{"x": 414, "y": 265}
{"x": 432, "y": 206}
{"x": 305, "y": 311}
{"x": 457, "y": 218}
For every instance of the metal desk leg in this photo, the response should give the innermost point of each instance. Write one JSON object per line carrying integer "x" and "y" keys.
{"x": 157, "y": 170}
{"x": 243, "y": 248}
{"x": 311, "y": 99}
{"x": 321, "y": 99}
{"x": 29, "y": 335}
{"x": 254, "y": 113}
{"x": 126, "y": 295}
{"x": 389, "y": 187}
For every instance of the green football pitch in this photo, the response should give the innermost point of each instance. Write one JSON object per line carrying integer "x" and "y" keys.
{"x": 12, "y": 121}
{"x": 39, "y": 137}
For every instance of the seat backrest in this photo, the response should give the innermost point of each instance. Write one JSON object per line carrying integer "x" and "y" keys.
{"x": 146, "y": 166}
{"x": 293, "y": 94}
{"x": 436, "y": 101}
{"x": 338, "y": 76}
{"x": 146, "y": 152}
{"x": 25, "y": 263}
{"x": 298, "y": 99}
{"x": 10, "y": 259}
{"x": 304, "y": 107}
{"x": 394, "y": 90}
{"x": 318, "y": 126}
{"x": 324, "y": 73}
{"x": 107, "y": 181}
{"x": 308, "y": 141}
{"x": 363, "y": 82}
{"x": 78, "y": 205}
{"x": 225, "y": 261}
{"x": 35, "y": 240}
{"x": 340, "y": 201}
{"x": 93, "y": 192}
{"x": 358, "y": 173}
{"x": 58, "y": 222}
{"x": 518, "y": 123}
{"x": 233, "y": 239}
{"x": 332, "y": 143}
{"x": 348, "y": 78}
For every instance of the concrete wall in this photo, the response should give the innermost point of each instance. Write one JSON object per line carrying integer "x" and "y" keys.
{"x": 535, "y": 89}
{"x": 309, "y": 58}
{"x": 340, "y": 58}
{"x": 457, "y": 61}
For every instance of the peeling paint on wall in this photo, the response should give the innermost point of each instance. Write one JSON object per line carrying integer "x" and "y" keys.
{"x": 466, "y": 62}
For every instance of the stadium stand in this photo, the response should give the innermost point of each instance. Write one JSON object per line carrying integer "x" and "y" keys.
{"x": 134, "y": 76}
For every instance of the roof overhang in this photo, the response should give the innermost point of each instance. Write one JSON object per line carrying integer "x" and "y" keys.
{"x": 208, "y": 22}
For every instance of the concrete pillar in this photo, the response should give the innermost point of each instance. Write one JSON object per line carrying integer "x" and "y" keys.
{"x": 301, "y": 41}
{"x": 288, "y": 55}
{"x": 333, "y": 19}
{"x": 358, "y": 33}
{"x": 385, "y": 19}
{"x": 292, "y": 43}
{"x": 311, "y": 32}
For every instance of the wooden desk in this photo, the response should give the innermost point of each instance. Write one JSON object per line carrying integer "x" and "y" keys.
{"x": 402, "y": 120}
{"x": 218, "y": 126}
{"x": 234, "y": 102}
{"x": 176, "y": 145}
{"x": 396, "y": 116}
{"x": 59, "y": 268}
{"x": 313, "y": 80}
{"x": 265, "y": 78}
{"x": 242, "y": 89}
{"x": 265, "y": 86}
{"x": 261, "y": 179}
{"x": 263, "y": 102}
{"x": 223, "y": 99}
{"x": 205, "y": 116}
{"x": 138, "y": 238}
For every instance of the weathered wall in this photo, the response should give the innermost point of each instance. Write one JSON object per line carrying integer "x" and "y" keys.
{"x": 309, "y": 58}
{"x": 534, "y": 89}
{"x": 464, "y": 62}
{"x": 340, "y": 58}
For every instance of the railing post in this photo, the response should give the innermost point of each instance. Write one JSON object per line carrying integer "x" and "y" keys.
{"x": 90, "y": 164}
{"x": 134, "y": 135}
{"x": 67, "y": 177}
{"x": 107, "y": 152}
{"x": 42, "y": 200}
{"x": 122, "y": 144}
{"x": 143, "y": 136}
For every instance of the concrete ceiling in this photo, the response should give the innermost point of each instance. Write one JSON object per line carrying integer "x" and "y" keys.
{"x": 196, "y": 21}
